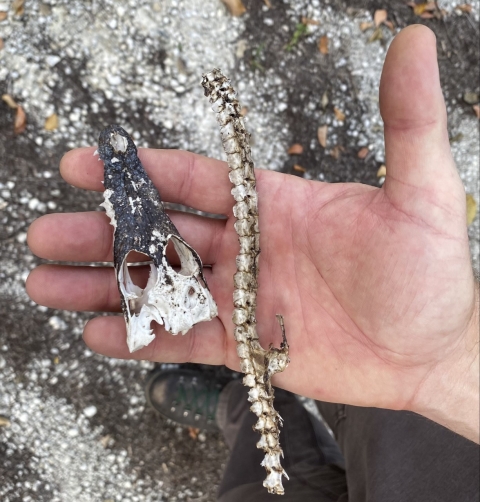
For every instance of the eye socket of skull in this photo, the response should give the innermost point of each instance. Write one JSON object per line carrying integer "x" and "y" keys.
{"x": 188, "y": 263}
{"x": 135, "y": 293}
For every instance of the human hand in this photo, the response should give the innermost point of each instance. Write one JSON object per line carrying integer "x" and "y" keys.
{"x": 375, "y": 285}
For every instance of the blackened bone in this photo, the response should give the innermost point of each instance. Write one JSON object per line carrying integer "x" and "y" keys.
{"x": 178, "y": 300}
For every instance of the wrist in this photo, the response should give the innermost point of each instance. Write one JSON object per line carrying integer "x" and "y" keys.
{"x": 449, "y": 395}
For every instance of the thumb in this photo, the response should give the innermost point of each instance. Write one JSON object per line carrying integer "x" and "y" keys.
{"x": 420, "y": 168}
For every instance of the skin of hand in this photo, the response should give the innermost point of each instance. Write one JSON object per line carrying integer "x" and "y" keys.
{"x": 375, "y": 284}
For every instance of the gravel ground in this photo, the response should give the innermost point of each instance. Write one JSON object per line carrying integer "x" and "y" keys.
{"x": 73, "y": 425}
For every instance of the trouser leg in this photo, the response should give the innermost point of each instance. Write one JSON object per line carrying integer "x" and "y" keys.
{"x": 311, "y": 478}
{"x": 399, "y": 456}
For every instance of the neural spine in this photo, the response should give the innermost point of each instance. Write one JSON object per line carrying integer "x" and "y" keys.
{"x": 258, "y": 364}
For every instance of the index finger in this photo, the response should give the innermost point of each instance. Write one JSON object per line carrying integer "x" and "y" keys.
{"x": 181, "y": 177}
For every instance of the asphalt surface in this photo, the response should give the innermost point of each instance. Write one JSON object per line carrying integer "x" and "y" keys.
{"x": 74, "y": 426}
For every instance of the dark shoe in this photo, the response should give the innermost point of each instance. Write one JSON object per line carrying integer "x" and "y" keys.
{"x": 187, "y": 395}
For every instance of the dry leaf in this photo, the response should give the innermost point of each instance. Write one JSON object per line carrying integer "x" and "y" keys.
{"x": 323, "y": 44}
{"x": 470, "y": 98}
{"x": 336, "y": 151}
{"x": 365, "y": 25}
{"x": 52, "y": 122}
{"x": 382, "y": 171}
{"x": 4, "y": 422}
{"x": 339, "y": 115}
{"x": 455, "y": 139}
{"x": 295, "y": 149}
{"x": 380, "y": 17}
{"x": 1, "y": 43}
{"x": 20, "y": 123}
{"x": 235, "y": 7}
{"x": 322, "y": 135}
{"x": 420, "y": 8}
{"x": 471, "y": 209}
{"x": 10, "y": 101}
{"x": 244, "y": 111}
{"x": 307, "y": 20}
{"x": 363, "y": 152}
{"x": 476, "y": 109}
{"x": 298, "y": 168}
{"x": 193, "y": 432}
{"x": 389, "y": 25}
{"x": 3, "y": 15}
{"x": 17, "y": 7}
{"x": 464, "y": 7}
{"x": 268, "y": 3}
{"x": 324, "y": 101}
{"x": 376, "y": 35}
{"x": 105, "y": 440}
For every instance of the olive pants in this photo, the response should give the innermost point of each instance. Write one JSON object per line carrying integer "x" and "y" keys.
{"x": 388, "y": 456}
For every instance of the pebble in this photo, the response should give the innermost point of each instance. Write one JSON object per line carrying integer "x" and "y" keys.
{"x": 33, "y": 203}
{"x": 52, "y": 60}
{"x": 57, "y": 323}
{"x": 22, "y": 237}
{"x": 90, "y": 411}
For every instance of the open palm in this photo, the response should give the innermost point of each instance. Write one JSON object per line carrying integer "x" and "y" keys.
{"x": 375, "y": 285}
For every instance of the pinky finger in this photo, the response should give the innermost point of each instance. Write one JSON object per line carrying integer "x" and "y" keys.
{"x": 204, "y": 343}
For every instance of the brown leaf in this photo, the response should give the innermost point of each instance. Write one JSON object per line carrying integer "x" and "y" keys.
{"x": 365, "y": 25}
{"x": 464, "y": 7}
{"x": 336, "y": 151}
{"x": 244, "y": 111}
{"x": 324, "y": 101}
{"x": 376, "y": 35}
{"x": 10, "y": 101}
{"x": 52, "y": 122}
{"x": 382, "y": 171}
{"x": 3, "y": 15}
{"x": 322, "y": 135}
{"x": 363, "y": 152}
{"x": 339, "y": 115}
{"x": 307, "y": 20}
{"x": 17, "y": 7}
{"x": 268, "y": 3}
{"x": 105, "y": 440}
{"x": 380, "y": 17}
{"x": 476, "y": 109}
{"x": 1, "y": 43}
{"x": 299, "y": 168}
{"x": 471, "y": 209}
{"x": 323, "y": 44}
{"x": 20, "y": 121}
{"x": 193, "y": 432}
{"x": 420, "y": 8}
{"x": 4, "y": 421}
{"x": 235, "y": 7}
{"x": 295, "y": 149}
{"x": 389, "y": 25}
{"x": 456, "y": 138}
